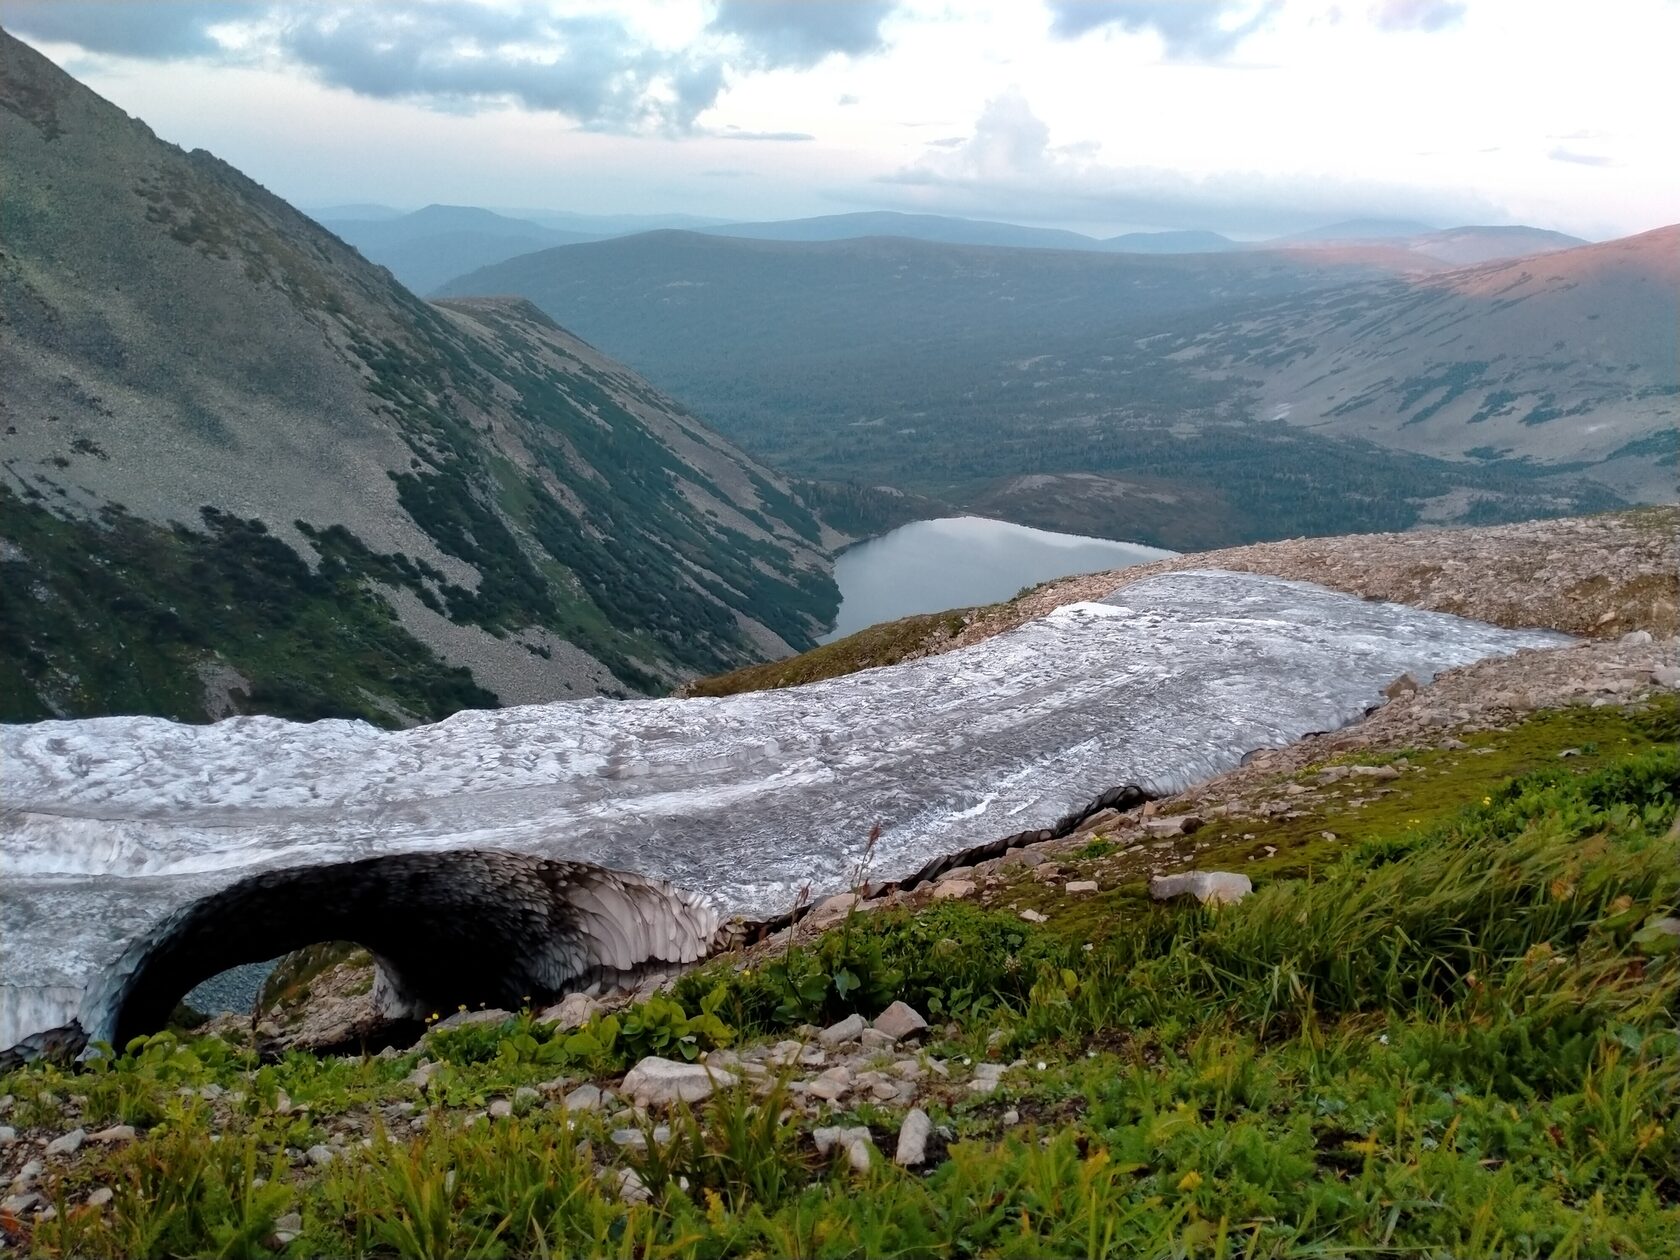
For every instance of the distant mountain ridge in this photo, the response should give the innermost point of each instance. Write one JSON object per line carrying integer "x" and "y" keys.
{"x": 245, "y": 471}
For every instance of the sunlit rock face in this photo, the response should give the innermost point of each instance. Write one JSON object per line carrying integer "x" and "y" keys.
{"x": 116, "y": 830}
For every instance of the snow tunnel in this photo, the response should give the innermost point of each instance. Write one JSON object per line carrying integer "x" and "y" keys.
{"x": 446, "y": 928}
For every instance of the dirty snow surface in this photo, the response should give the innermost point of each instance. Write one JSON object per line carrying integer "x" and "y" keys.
{"x": 112, "y": 824}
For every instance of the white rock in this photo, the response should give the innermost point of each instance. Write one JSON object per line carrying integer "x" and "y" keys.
{"x": 320, "y": 1156}
{"x": 1082, "y": 886}
{"x": 1637, "y": 638}
{"x": 28, "y": 1175}
{"x": 1666, "y": 676}
{"x": 100, "y": 1196}
{"x": 848, "y": 1029}
{"x": 8, "y": 1135}
{"x": 69, "y": 1144}
{"x": 500, "y": 1109}
{"x": 656, "y": 1082}
{"x": 572, "y": 1011}
{"x": 1010, "y": 1118}
{"x": 912, "y": 1138}
{"x": 116, "y": 1133}
{"x": 1172, "y": 825}
{"x": 1211, "y": 888}
{"x": 630, "y": 1186}
{"x": 953, "y": 889}
{"x": 900, "y": 1020}
{"x": 873, "y": 1039}
{"x": 1033, "y": 916}
{"x": 584, "y": 1098}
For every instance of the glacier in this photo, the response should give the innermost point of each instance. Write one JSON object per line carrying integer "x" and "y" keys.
{"x": 113, "y": 830}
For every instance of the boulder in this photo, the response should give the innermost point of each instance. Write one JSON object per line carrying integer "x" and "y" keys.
{"x": 848, "y": 1029}
{"x": 584, "y": 1098}
{"x": 656, "y": 1082}
{"x": 572, "y": 1011}
{"x": 1211, "y": 888}
{"x": 953, "y": 888}
{"x": 913, "y": 1138}
{"x": 1405, "y": 685}
{"x": 900, "y": 1020}
{"x": 1172, "y": 825}
{"x": 466, "y": 1019}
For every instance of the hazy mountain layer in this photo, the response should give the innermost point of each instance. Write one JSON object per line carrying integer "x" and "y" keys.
{"x": 245, "y": 470}
{"x": 1043, "y": 386}
{"x": 438, "y": 243}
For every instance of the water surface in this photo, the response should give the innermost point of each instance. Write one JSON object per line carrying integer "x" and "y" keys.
{"x": 958, "y": 561}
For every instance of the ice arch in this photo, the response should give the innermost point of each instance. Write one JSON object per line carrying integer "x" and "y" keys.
{"x": 446, "y": 928}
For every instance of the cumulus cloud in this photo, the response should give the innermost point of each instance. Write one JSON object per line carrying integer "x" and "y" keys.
{"x": 1202, "y": 30}
{"x": 800, "y": 33}
{"x": 1009, "y": 167}
{"x": 1419, "y": 15}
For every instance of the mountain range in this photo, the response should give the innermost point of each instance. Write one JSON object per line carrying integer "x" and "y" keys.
{"x": 246, "y": 470}
{"x": 1134, "y": 396}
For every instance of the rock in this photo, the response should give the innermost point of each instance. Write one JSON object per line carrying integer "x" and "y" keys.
{"x": 500, "y": 1109}
{"x": 420, "y": 1077}
{"x": 1405, "y": 685}
{"x": 17, "y": 1204}
{"x": 912, "y": 1138}
{"x": 1637, "y": 638}
{"x": 830, "y": 910}
{"x": 113, "y": 1135}
{"x": 983, "y": 1084}
{"x": 287, "y": 1229}
{"x": 848, "y": 1029}
{"x": 873, "y": 1039}
{"x": 1172, "y": 825}
{"x": 1375, "y": 772}
{"x": 69, "y": 1144}
{"x": 656, "y": 1082}
{"x": 900, "y": 1020}
{"x": 855, "y": 1141}
{"x": 989, "y": 1071}
{"x": 584, "y": 1098}
{"x": 628, "y": 1185}
{"x": 953, "y": 889}
{"x": 1081, "y": 886}
{"x": 319, "y": 1156}
{"x": 827, "y": 1090}
{"x": 954, "y": 873}
{"x": 8, "y": 1135}
{"x": 1010, "y": 1118}
{"x": 466, "y": 1019}
{"x": 572, "y": 1011}
{"x": 100, "y": 1196}
{"x": 1033, "y": 916}
{"x": 525, "y": 1094}
{"x": 28, "y": 1175}
{"x": 1666, "y": 676}
{"x": 1021, "y": 857}
{"x": 1211, "y": 888}
{"x": 1097, "y": 821}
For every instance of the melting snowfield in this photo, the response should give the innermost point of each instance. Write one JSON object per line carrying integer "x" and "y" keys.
{"x": 112, "y": 825}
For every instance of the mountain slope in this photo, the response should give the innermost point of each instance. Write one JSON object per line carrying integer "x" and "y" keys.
{"x": 437, "y": 243}
{"x": 917, "y": 227}
{"x": 1036, "y": 385}
{"x": 1566, "y": 359}
{"x": 244, "y": 469}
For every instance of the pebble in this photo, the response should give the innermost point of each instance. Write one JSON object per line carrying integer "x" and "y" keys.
{"x": 286, "y": 1231}
{"x": 69, "y": 1144}
{"x": 1033, "y": 916}
{"x": 319, "y": 1155}
{"x": 100, "y": 1196}
{"x": 848, "y": 1029}
{"x": 500, "y": 1109}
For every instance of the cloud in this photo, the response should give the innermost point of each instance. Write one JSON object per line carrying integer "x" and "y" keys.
{"x": 450, "y": 54}
{"x": 1419, "y": 15}
{"x": 736, "y": 133}
{"x": 124, "y": 29}
{"x": 1561, "y": 154}
{"x": 800, "y": 33}
{"x": 1009, "y": 168}
{"x": 455, "y": 52}
{"x": 1201, "y": 30}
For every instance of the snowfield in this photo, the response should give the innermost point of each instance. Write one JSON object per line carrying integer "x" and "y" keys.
{"x": 112, "y": 825}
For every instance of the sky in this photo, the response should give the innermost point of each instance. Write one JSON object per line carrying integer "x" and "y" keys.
{"x": 1249, "y": 117}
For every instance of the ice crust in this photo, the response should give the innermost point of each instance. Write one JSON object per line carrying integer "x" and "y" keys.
{"x": 111, "y": 825}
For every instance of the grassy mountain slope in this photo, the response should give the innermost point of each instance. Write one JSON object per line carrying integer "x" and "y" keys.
{"x": 245, "y": 469}
{"x": 1568, "y": 358}
{"x": 1036, "y": 385}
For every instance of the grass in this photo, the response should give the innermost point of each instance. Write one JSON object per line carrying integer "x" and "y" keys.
{"x": 884, "y": 644}
{"x": 1454, "y": 1037}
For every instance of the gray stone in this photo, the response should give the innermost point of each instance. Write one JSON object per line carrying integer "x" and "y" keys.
{"x": 656, "y": 1082}
{"x": 1637, "y": 638}
{"x": 584, "y": 1098}
{"x": 1081, "y": 886}
{"x": 8, "y": 1135}
{"x": 848, "y": 1029}
{"x": 466, "y": 1019}
{"x": 69, "y": 1144}
{"x": 1033, "y": 916}
{"x": 1375, "y": 772}
{"x": 953, "y": 889}
{"x": 320, "y": 1156}
{"x": 500, "y": 1109}
{"x": 18, "y": 1204}
{"x": 1666, "y": 676}
{"x": 28, "y": 1175}
{"x": 1021, "y": 857}
{"x": 99, "y": 1196}
{"x": 983, "y": 1084}
{"x": 854, "y": 1141}
{"x": 1405, "y": 685}
{"x": 989, "y": 1071}
{"x": 1010, "y": 1118}
{"x": 955, "y": 873}
{"x": 629, "y": 1186}
{"x": 912, "y": 1138}
{"x": 873, "y": 1039}
{"x": 900, "y": 1020}
{"x": 827, "y": 1090}
{"x": 1172, "y": 825}
{"x": 420, "y": 1077}
{"x": 572, "y": 1011}
{"x": 1211, "y": 888}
